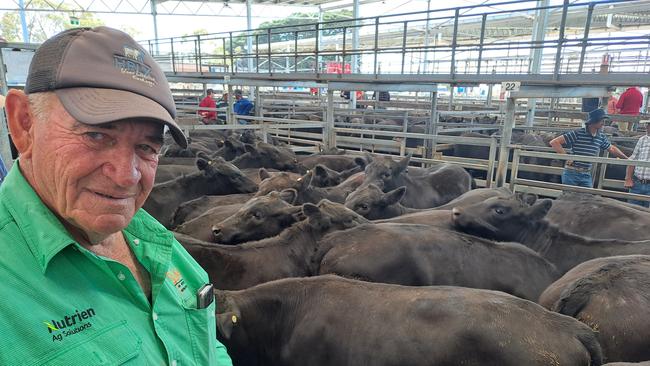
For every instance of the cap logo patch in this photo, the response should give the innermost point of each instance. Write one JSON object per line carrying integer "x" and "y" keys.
{"x": 132, "y": 63}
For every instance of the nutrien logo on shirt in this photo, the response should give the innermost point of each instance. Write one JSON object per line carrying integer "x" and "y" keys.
{"x": 56, "y": 328}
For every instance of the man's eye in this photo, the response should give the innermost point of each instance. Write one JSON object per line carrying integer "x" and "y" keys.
{"x": 147, "y": 149}
{"x": 95, "y": 136}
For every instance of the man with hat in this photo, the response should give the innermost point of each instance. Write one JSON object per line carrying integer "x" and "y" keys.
{"x": 637, "y": 179}
{"x": 88, "y": 277}
{"x": 586, "y": 141}
{"x": 242, "y": 106}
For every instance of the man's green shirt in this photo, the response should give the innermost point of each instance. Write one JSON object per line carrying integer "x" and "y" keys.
{"x": 64, "y": 305}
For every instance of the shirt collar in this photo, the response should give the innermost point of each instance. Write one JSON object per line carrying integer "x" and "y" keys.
{"x": 44, "y": 233}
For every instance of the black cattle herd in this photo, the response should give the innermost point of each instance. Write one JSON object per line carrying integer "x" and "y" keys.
{"x": 338, "y": 259}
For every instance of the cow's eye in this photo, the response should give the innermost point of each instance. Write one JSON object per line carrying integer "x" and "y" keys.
{"x": 364, "y": 206}
{"x": 257, "y": 215}
{"x": 499, "y": 211}
{"x": 386, "y": 175}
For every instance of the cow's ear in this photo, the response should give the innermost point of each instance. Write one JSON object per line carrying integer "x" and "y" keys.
{"x": 539, "y": 210}
{"x": 264, "y": 174}
{"x": 202, "y": 155}
{"x": 289, "y": 195}
{"x": 360, "y": 162}
{"x": 527, "y": 199}
{"x": 304, "y": 181}
{"x": 393, "y": 196}
{"x": 403, "y": 164}
{"x": 250, "y": 149}
{"x": 202, "y": 164}
{"x": 320, "y": 171}
{"x": 226, "y": 322}
{"x": 310, "y": 210}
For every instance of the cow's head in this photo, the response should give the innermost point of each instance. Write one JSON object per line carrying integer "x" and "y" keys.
{"x": 218, "y": 172}
{"x": 327, "y": 216}
{"x": 384, "y": 172}
{"x": 276, "y": 181}
{"x": 273, "y": 157}
{"x": 326, "y": 177}
{"x": 371, "y": 202}
{"x": 261, "y": 217}
{"x": 500, "y": 218}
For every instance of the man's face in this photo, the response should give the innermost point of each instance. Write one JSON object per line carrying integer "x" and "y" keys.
{"x": 598, "y": 125}
{"x": 94, "y": 177}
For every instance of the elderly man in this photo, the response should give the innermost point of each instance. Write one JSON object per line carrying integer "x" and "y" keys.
{"x": 587, "y": 141}
{"x": 90, "y": 278}
{"x": 637, "y": 178}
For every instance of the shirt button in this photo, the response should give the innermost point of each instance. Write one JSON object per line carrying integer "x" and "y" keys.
{"x": 121, "y": 276}
{"x": 154, "y": 316}
{"x": 136, "y": 242}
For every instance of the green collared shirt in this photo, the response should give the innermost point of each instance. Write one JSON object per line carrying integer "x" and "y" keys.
{"x": 64, "y": 305}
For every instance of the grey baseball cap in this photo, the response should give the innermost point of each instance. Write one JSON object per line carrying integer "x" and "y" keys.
{"x": 102, "y": 75}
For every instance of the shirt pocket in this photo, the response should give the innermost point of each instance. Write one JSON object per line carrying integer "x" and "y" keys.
{"x": 116, "y": 344}
{"x": 202, "y": 327}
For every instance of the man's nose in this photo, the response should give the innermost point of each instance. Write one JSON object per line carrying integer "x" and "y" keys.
{"x": 123, "y": 168}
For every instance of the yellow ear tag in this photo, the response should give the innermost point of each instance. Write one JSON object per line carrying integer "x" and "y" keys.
{"x": 234, "y": 319}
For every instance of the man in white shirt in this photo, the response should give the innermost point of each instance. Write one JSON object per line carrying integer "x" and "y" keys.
{"x": 637, "y": 179}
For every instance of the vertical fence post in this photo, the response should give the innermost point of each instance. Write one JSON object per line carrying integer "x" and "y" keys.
{"x": 506, "y": 136}
{"x": 515, "y": 168}
{"x": 491, "y": 161}
{"x": 329, "y": 136}
{"x": 316, "y": 54}
{"x": 233, "y": 67}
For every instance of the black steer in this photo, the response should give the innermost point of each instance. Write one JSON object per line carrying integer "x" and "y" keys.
{"x": 328, "y": 320}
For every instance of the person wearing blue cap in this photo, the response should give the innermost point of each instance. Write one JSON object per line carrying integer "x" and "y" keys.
{"x": 586, "y": 141}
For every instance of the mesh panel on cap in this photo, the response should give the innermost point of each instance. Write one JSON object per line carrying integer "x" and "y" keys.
{"x": 45, "y": 64}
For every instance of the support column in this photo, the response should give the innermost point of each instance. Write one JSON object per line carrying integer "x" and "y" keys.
{"x": 488, "y": 102}
{"x": 329, "y": 135}
{"x": 5, "y": 147}
{"x": 506, "y": 136}
{"x": 426, "y": 40}
{"x": 539, "y": 33}
{"x": 249, "y": 36}
{"x": 154, "y": 14}
{"x": 451, "y": 98}
{"x": 258, "y": 105}
{"x": 230, "y": 116}
{"x": 355, "y": 46}
{"x": 23, "y": 21}
{"x": 431, "y": 127}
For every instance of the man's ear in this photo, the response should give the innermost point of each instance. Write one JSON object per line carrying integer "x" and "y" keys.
{"x": 20, "y": 121}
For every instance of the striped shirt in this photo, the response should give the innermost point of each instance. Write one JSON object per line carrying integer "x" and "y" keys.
{"x": 642, "y": 152}
{"x": 581, "y": 142}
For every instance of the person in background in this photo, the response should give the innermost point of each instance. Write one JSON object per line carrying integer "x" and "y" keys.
{"x": 242, "y": 106}
{"x": 611, "y": 105}
{"x": 208, "y": 117}
{"x": 90, "y": 277}
{"x": 637, "y": 179}
{"x": 629, "y": 103}
{"x": 586, "y": 141}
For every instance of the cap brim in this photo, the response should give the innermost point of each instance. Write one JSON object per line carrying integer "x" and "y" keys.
{"x": 96, "y": 106}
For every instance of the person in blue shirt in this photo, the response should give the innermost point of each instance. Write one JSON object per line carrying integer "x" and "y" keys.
{"x": 3, "y": 170}
{"x": 242, "y": 106}
{"x": 586, "y": 141}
